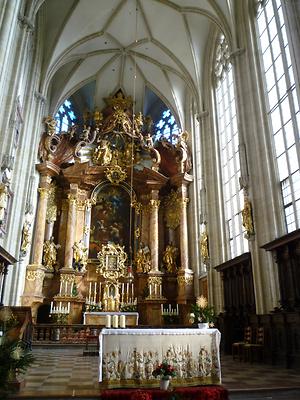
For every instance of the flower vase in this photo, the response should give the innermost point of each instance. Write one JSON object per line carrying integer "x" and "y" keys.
{"x": 164, "y": 384}
{"x": 203, "y": 325}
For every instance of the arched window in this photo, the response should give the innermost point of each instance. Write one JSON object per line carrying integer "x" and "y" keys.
{"x": 228, "y": 140}
{"x": 166, "y": 128}
{"x": 282, "y": 104}
{"x": 65, "y": 117}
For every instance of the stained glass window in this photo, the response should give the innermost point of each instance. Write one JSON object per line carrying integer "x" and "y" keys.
{"x": 166, "y": 128}
{"x": 65, "y": 117}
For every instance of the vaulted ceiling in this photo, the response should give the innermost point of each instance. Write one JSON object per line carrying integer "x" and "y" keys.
{"x": 132, "y": 44}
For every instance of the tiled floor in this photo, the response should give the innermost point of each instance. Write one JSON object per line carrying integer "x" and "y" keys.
{"x": 66, "y": 372}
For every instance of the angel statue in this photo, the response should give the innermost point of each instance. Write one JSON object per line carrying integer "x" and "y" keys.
{"x": 143, "y": 259}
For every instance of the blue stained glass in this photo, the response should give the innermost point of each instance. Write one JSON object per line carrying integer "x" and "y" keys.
{"x": 65, "y": 117}
{"x": 167, "y": 128}
{"x": 67, "y": 103}
{"x": 166, "y": 114}
{"x": 160, "y": 124}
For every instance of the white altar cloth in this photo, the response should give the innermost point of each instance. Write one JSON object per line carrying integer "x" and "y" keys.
{"x": 127, "y": 357}
{"x": 99, "y": 317}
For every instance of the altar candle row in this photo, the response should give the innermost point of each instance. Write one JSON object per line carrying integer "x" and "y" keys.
{"x": 66, "y": 288}
{"x": 114, "y": 321}
{"x": 169, "y": 310}
{"x": 155, "y": 290}
{"x": 92, "y": 294}
{"x": 127, "y": 292}
{"x": 59, "y": 308}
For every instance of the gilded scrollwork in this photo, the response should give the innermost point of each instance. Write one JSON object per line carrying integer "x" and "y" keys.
{"x": 154, "y": 280}
{"x": 115, "y": 174}
{"x": 50, "y": 123}
{"x": 72, "y": 199}
{"x": 137, "y": 206}
{"x": 184, "y": 280}
{"x": 35, "y": 275}
{"x": 70, "y": 278}
{"x": 112, "y": 259}
{"x": 154, "y": 204}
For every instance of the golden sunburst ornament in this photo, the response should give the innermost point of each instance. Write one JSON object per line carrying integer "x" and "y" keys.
{"x": 201, "y": 301}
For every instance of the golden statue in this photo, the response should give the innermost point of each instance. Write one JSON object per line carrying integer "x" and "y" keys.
{"x": 247, "y": 217}
{"x": 143, "y": 259}
{"x": 204, "y": 247}
{"x": 103, "y": 154}
{"x": 50, "y": 254}
{"x": 80, "y": 256}
{"x": 26, "y": 233}
{"x": 169, "y": 258}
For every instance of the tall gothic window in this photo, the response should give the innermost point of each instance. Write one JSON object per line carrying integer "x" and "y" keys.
{"x": 229, "y": 150}
{"x": 65, "y": 117}
{"x": 166, "y": 128}
{"x": 282, "y": 105}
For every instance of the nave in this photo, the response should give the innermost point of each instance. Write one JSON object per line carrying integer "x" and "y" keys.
{"x": 64, "y": 373}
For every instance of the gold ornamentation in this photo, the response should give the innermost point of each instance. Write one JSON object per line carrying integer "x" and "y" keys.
{"x": 26, "y": 234}
{"x": 86, "y": 229}
{"x": 51, "y": 204}
{"x": 50, "y": 125}
{"x": 112, "y": 258}
{"x": 185, "y": 201}
{"x": 35, "y": 275}
{"x": 172, "y": 205}
{"x": 115, "y": 174}
{"x": 44, "y": 192}
{"x": 185, "y": 280}
{"x": 247, "y": 220}
{"x": 137, "y": 232}
{"x": 154, "y": 280}
{"x": 154, "y": 204}
{"x": 137, "y": 206}
{"x": 204, "y": 251}
{"x": 72, "y": 198}
{"x": 103, "y": 154}
{"x": 67, "y": 278}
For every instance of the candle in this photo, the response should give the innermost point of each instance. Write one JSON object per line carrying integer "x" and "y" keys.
{"x": 115, "y": 321}
{"x": 95, "y": 292}
{"x": 66, "y": 287}
{"x": 122, "y": 293}
{"x": 60, "y": 288}
{"x": 68, "y": 307}
{"x": 90, "y": 289}
{"x": 169, "y": 308}
{"x": 132, "y": 291}
{"x": 100, "y": 291}
{"x": 160, "y": 290}
{"x": 51, "y": 308}
{"x": 150, "y": 287}
{"x": 108, "y": 321}
{"x": 162, "y": 309}
{"x": 122, "y": 321}
{"x": 177, "y": 309}
{"x": 127, "y": 291}
{"x": 60, "y": 306}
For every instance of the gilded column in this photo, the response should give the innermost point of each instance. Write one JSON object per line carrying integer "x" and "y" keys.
{"x": 40, "y": 224}
{"x": 71, "y": 226}
{"x": 87, "y": 223}
{"x": 153, "y": 230}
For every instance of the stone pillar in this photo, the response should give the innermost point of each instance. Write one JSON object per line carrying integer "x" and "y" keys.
{"x": 71, "y": 227}
{"x": 39, "y": 233}
{"x": 153, "y": 229}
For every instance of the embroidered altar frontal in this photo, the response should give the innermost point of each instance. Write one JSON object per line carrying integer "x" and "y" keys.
{"x": 127, "y": 357}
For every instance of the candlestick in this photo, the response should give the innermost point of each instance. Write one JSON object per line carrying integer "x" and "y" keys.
{"x": 122, "y": 321}
{"x": 69, "y": 307}
{"x": 100, "y": 286}
{"x": 122, "y": 293}
{"x": 177, "y": 309}
{"x": 115, "y": 321}
{"x": 169, "y": 307}
{"x": 51, "y": 308}
{"x": 127, "y": 291}
{"x": 160, "y": 291}
{"x": 95, "y": 292}
{"x": 162, "y": 309}
{"x": 108, "y": 321}
{"x": 150, "y": 287}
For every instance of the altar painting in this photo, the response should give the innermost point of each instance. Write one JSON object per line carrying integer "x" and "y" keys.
{"x": 110, "y": 219}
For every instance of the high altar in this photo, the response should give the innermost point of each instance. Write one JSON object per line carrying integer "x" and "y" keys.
{"x": 111, "y": 225}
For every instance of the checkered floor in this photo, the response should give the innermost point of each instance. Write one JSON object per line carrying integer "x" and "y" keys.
{"x": 66, "y": 372}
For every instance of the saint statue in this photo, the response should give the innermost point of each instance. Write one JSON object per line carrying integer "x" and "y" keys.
{"x": 50, "y": 253}
{"x": 169, "y": 258}
{"x": 80, "y": 256}
{"x": 247, "y": 218}
{"x": 103, "y": 153}
{"x": 26, "y": 233}
{"x": 3, "y": 201}
{"x": 143, "y": 259}
{"x": 204, "y": 247}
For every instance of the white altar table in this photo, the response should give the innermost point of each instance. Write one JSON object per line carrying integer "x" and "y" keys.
{"x": 99, "y": 317}
{"x": 127, "y": 357}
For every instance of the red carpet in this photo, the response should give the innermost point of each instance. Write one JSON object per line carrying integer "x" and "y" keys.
{"x": 188, "y": 393}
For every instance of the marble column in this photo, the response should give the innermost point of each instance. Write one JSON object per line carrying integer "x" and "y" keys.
{"x": 40, "y": 224}
{"x": 153, "y": 229}
{"x": 184, "y": 249}
{"x": 71, "y": 228}
{"x": 87, "y": 223}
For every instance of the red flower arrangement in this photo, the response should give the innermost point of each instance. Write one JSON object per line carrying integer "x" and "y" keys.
{"x": 164, "y": 370}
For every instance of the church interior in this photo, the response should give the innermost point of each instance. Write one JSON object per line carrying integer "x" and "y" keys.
{"x": 149, "y": 183}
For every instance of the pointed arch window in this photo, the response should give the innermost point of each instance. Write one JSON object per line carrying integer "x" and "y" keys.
{"x": 282, "y": 104}
{"x": 65, "y": 117}
{"x": 228, "y": 140}
{"x": 166, "y": 128}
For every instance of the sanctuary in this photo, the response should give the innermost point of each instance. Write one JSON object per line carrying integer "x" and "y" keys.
{"x": 111, "y": 228}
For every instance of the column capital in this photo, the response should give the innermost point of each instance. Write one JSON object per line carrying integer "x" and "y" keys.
{"x": 44, "y": 192}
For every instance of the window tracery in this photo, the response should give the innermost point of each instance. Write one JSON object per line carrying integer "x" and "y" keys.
{"x": 166, "y": 128}
{"x": 65, "y": 117}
